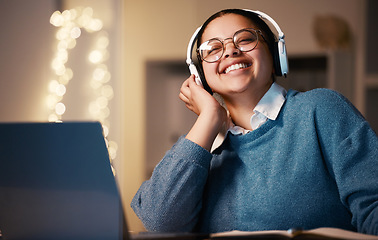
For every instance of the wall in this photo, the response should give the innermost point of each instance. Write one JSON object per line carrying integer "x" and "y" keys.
{"x": 26, "y": 51}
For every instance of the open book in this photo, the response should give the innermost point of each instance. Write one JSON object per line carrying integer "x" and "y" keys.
{"x": 319, "y": 233}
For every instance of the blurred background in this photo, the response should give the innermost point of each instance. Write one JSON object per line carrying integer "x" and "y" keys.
{"x": 122, "y": 62}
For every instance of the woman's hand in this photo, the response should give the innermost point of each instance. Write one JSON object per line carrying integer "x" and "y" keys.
{"x": 211, "y": 115}
{"x": 196, "y": 98}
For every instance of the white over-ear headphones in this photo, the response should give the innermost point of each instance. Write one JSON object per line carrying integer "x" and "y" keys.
{"x": 279, "y": 55}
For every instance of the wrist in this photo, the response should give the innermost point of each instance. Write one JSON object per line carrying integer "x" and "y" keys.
{"x": 208, "y": 125}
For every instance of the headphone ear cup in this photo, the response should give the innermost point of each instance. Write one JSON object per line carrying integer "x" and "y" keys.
{"x": 281, "y": 65}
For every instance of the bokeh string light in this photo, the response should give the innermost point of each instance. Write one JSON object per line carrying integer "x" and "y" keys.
{"x": 70, "y": 24}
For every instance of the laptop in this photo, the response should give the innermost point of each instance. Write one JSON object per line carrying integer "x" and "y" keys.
{"x": 56, "y": 182}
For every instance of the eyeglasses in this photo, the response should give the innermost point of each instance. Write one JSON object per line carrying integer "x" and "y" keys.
{"x": 245, "y": 40}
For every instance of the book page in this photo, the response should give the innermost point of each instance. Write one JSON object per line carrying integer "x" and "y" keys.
{"x": 243, "y": 234}
{"x": 333, "y": 233}
{"x": 340, "y": 233}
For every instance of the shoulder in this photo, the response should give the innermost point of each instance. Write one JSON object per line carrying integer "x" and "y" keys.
{"x": 324, "y": 105}
{"x": 318, "y": 95}
{"x": 321, "y": 99}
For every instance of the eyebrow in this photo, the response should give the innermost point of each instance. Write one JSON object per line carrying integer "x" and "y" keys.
{"x": 218, "y": 38}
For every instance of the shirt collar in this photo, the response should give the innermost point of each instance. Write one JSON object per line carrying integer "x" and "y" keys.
{"x": 268, "y": 107}
{"x": 271, "y": 103}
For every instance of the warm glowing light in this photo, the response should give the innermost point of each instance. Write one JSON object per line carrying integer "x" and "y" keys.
{"x": 105, "y": 130}
{"x": 71, "y": 43}
{"x": 56, "y": 19}
{"x": 60, "y": 108}
{"x": 113, "y": 147}
{"x": 94, "y": 109}
{"x": 95, "y": 84}
{"x": 53, "y": 85}
{"x": 95, "y": 56}
{"x": 107, "y": 91}
{"x": 102, "y": 102}
{"x": 66, "y": 77}
{"x": 105, "y": 113}
{"x": 103, "y": 42}
{"x": 88, "y": 11}
{"x": 75, "y": 32}
{"x": 53, "y": 118}
{"x": 52, "y": 100}
{"x": 60, "y": 90}
{"x": 62, "y": 56}
{"x": 71, "y": 23}
{"x": 99, "y": 73}
{"x": 95, "y": 25}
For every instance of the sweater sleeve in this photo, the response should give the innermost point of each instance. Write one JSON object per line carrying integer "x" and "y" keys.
{"x": 350, "y": 149}
{"x": 170, "y": 201}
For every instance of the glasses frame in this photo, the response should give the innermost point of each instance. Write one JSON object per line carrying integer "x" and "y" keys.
{"x": 252, "y": 30}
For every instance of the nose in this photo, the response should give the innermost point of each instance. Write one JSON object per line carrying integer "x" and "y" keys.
{"x": 230, "y": 49}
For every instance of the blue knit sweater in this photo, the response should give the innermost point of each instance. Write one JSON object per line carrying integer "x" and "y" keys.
{"x": 316, "y": 165}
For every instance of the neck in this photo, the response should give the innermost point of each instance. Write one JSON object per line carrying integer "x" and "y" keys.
{"x": 241, "y": 106}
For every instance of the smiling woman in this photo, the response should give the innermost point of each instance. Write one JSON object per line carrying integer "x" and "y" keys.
{"x": 277, "y": 145}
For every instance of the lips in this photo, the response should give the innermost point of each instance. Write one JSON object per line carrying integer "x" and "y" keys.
{"x": 236, "y": 66}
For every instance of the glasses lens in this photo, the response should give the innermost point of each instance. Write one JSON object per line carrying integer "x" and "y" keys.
{"x": 246, "y": 40}
{"x": 211, "y": 51}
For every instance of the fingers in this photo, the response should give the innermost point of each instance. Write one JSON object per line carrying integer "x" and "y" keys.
{"x": 192, "y": 82}
{"x": 185, "y": 91}
{"x": 188, "y": 93}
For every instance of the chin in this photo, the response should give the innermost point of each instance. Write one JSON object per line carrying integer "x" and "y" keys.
{"x": 237, "y": 89}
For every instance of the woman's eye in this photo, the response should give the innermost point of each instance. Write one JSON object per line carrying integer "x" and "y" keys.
{"x": 214, "y": 50}
{"x": 245, "y": 41}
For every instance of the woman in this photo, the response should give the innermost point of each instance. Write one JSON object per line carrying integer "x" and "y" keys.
{"x": 288, "y": 159}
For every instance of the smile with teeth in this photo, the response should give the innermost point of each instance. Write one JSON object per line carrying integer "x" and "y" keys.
{"x": 236, "y": 66}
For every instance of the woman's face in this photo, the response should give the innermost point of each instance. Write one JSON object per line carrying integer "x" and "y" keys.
{"x": 255, "y": 68}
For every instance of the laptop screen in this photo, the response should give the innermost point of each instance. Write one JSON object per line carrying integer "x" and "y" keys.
{"x": 56, "y": 182}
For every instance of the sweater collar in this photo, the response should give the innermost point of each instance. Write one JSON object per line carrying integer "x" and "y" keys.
{"x": 268, "y": 107}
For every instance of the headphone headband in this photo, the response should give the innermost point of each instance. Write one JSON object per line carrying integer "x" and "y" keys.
{"x": 262, "y": 15}
{"x": 191, "y": 46}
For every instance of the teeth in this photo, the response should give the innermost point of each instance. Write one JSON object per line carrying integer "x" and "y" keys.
{"x": 235, "y": 67}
